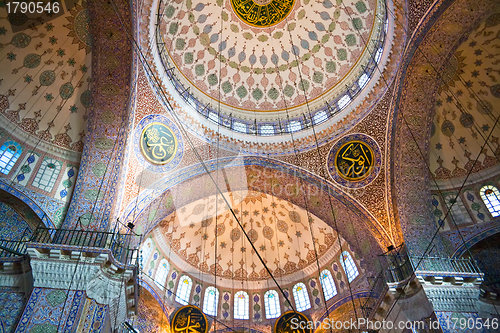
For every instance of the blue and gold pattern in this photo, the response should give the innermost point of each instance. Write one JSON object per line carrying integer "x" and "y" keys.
{"x": 158, "y": 143}
{"x": 354, "y": 161}
{"x": 189, "y": 319}
{"x": 262, "y": 13}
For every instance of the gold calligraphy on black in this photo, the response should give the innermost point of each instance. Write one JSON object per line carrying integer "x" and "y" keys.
{"x": 189, "y": 319}
{"x": 262, "y": 15}
{"x": 354, "y": 161}
{"x": 158, "y": 143}
{"x": 292, "y": 322}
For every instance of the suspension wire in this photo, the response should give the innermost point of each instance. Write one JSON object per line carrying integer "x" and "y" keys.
{"x": 302, "y": 187}
{"x": 217, "y": 169}
{"x": 191, "y": 144}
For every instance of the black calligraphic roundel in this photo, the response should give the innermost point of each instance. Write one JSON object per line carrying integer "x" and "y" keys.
{"x": 292, "y": 322}
{"x": 158, "y": 143}
{"x": 189, "y": 319}
{"x": 354, "y": 160}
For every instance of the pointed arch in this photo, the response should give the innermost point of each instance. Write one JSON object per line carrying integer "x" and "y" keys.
{"x": 301, "y": 297}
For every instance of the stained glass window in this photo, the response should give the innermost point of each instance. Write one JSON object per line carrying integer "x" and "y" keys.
{"x": 9, "y": 153}
{"x": 272, "y": 304}
{"x": 183, "y": 290}
{"x": 301, "y": 297}
{"x": 491, "y": 198}
{"x": 211, "y": 301}
{"x": 349, "y": 266}
{"x": 241, "y": 301}
{"x": 161, "y": 273}
{"x": 328, "y": 285}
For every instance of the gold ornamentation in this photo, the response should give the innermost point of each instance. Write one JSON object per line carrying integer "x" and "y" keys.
{"x": 158, "y": 143}
{"x": 284, "y": 324}
{"x": 354, "y": 160}
{"x": 262, "y": 13}
{"x": 189, "y": 319}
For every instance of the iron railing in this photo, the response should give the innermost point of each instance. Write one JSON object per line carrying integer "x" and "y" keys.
{"x": 437, "y": 266}
{"x": 15, "y": 247}
{"x": 117, "y": 243}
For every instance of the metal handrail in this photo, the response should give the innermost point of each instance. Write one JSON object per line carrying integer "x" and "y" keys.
{"x": 15, "y": 247}
{"x": 116, "y": 242}
{"x": 446, "y": 266}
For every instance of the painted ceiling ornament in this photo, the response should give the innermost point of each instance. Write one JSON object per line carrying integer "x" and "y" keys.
{"x": 79, "y": 26}
{"x": 158, "y": 142}
{"x": 189, "y": 319}
{"x": 288, "y": 321}
{"x": 262, "y": 13}
{"x": 354, "y": 161}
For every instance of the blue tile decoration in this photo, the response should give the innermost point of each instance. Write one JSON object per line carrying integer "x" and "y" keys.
{"x": 11, "y": 308}
{"x": 12, "y": 225}
{"x": 49, "y": 308}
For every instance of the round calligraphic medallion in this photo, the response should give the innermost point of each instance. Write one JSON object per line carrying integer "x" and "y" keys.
{"x": 262, "y": 13}
{"x": 189, "y": 319}
{"x": 354, "y": 161}
{"x": 158, "y": 142}
{"x": 292, "y": 321}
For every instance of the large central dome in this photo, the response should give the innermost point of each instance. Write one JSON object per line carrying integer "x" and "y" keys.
{"x": 263, "y": 61}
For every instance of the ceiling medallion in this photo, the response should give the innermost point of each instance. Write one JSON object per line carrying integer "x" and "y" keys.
{"x": 354, "y": 161}
{"x": 159, "y": 143}
{"x": 288, "y": 322}
{"x": 262, "y": 13}
{"x": 189, "y": 319}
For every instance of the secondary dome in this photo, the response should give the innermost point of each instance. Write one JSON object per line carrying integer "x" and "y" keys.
{"x": 281, "y": 232}
{"x": 267, "y": 66}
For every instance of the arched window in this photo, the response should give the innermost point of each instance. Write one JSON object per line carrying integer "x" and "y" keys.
{"x": 211, "y": 301}
{"x": 272, "y": 304}
{"x": 241, "y": 301}
{"x": 328, "y": 285}
{"x": 349, "y": 266}
{"x": 458, "y": 211}
{"x": 146, "y": 250}
{"x": 161, "y": 273}
{"x": 183, "y": 290}
{"x": 47, "y": 174}
{"x": 301, "y": 298}
{"x": 491, "y": 198}
{"x": 9, "y": 153}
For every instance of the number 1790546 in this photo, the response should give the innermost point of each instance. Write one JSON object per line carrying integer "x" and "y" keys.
{"x": 32, "y": 7}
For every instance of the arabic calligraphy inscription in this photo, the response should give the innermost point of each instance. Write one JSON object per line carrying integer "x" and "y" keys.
{"x": 284, "y": 324}
{"x": 158, "y": 143}
{"x": 262, "y": 13}
{"x": 354, "y": 160}
{"x": 189, "y": 319}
